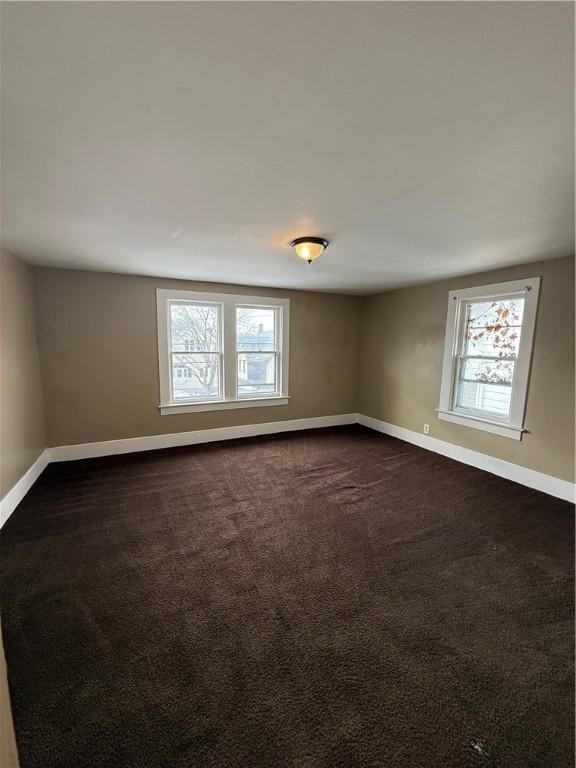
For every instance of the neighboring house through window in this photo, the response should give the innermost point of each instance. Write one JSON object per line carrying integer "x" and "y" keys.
{"x": 487, "y": 353}
{"x": 221, "y": 351}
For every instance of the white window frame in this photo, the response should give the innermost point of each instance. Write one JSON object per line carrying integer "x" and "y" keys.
{"x": 229, "y": 355}
{"x": 513, "y": 425}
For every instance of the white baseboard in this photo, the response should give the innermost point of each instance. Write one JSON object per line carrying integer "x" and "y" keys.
{"x": 15, "y": 495}
{"x": 530, "y": 477}
{"x": 133, "y": 444}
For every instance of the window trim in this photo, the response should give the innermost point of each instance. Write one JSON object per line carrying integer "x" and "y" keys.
{"x": 220, "y": 351}
{"x": 229, "y": 355}
{"x": 279, "y": 346}
{"x": 513, "y": 427}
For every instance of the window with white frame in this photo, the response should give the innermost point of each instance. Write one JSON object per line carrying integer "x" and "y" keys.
{"x": 257, "y": 350}
{"x": 221, "y": 351}
{"x": 487, "y": 352}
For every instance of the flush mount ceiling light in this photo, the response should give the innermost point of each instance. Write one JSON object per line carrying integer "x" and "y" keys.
{"x": 309, "y": 248}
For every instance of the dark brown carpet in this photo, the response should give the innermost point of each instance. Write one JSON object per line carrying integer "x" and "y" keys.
{"x": 326, "y": 599}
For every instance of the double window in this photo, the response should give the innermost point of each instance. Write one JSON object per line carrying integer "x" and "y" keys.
{"x": 221, "y": 351}
{"x": 489, "y": 334}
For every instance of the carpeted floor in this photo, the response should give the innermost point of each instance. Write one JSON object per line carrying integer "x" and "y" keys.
{"x": 326, "y": 599}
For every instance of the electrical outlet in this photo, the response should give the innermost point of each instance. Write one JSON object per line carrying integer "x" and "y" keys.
{"x": 426, "y": 429}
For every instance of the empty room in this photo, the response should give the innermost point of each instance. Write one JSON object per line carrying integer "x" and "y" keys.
{"x": 287, "y": 384}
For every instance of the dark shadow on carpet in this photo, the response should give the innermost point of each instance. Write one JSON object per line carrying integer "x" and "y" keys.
{"x": 323, "y": 599}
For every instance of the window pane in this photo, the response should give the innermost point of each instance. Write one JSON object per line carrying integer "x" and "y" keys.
{"x": 196, "y": 376}
{"x": 256, "y": 373}
{"x": 485, "y": 385}
{"x": 194, "y": 327}
{"x": 255, "y": 329}
{"x": 493, "y": 328}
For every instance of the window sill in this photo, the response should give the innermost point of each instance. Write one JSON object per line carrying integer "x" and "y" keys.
{"x": 222, "y": 405}
{"x": 496, "y": 427}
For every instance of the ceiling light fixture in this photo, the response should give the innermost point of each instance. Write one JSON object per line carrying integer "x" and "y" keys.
{"x": 309, "y": 248}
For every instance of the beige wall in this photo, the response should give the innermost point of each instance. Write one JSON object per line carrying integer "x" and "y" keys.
{"x": 380, "y": 355}
{"x": 402, "y": 347}
{"x": 22, "y": 434}
{"x": 99, "y": 356}
{"x": 8, "y": 752}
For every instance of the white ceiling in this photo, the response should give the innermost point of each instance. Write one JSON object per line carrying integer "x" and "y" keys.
{"x": 195, "y": 140}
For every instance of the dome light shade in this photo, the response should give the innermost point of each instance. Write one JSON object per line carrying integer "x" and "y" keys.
{"x": 309, "y": 248}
